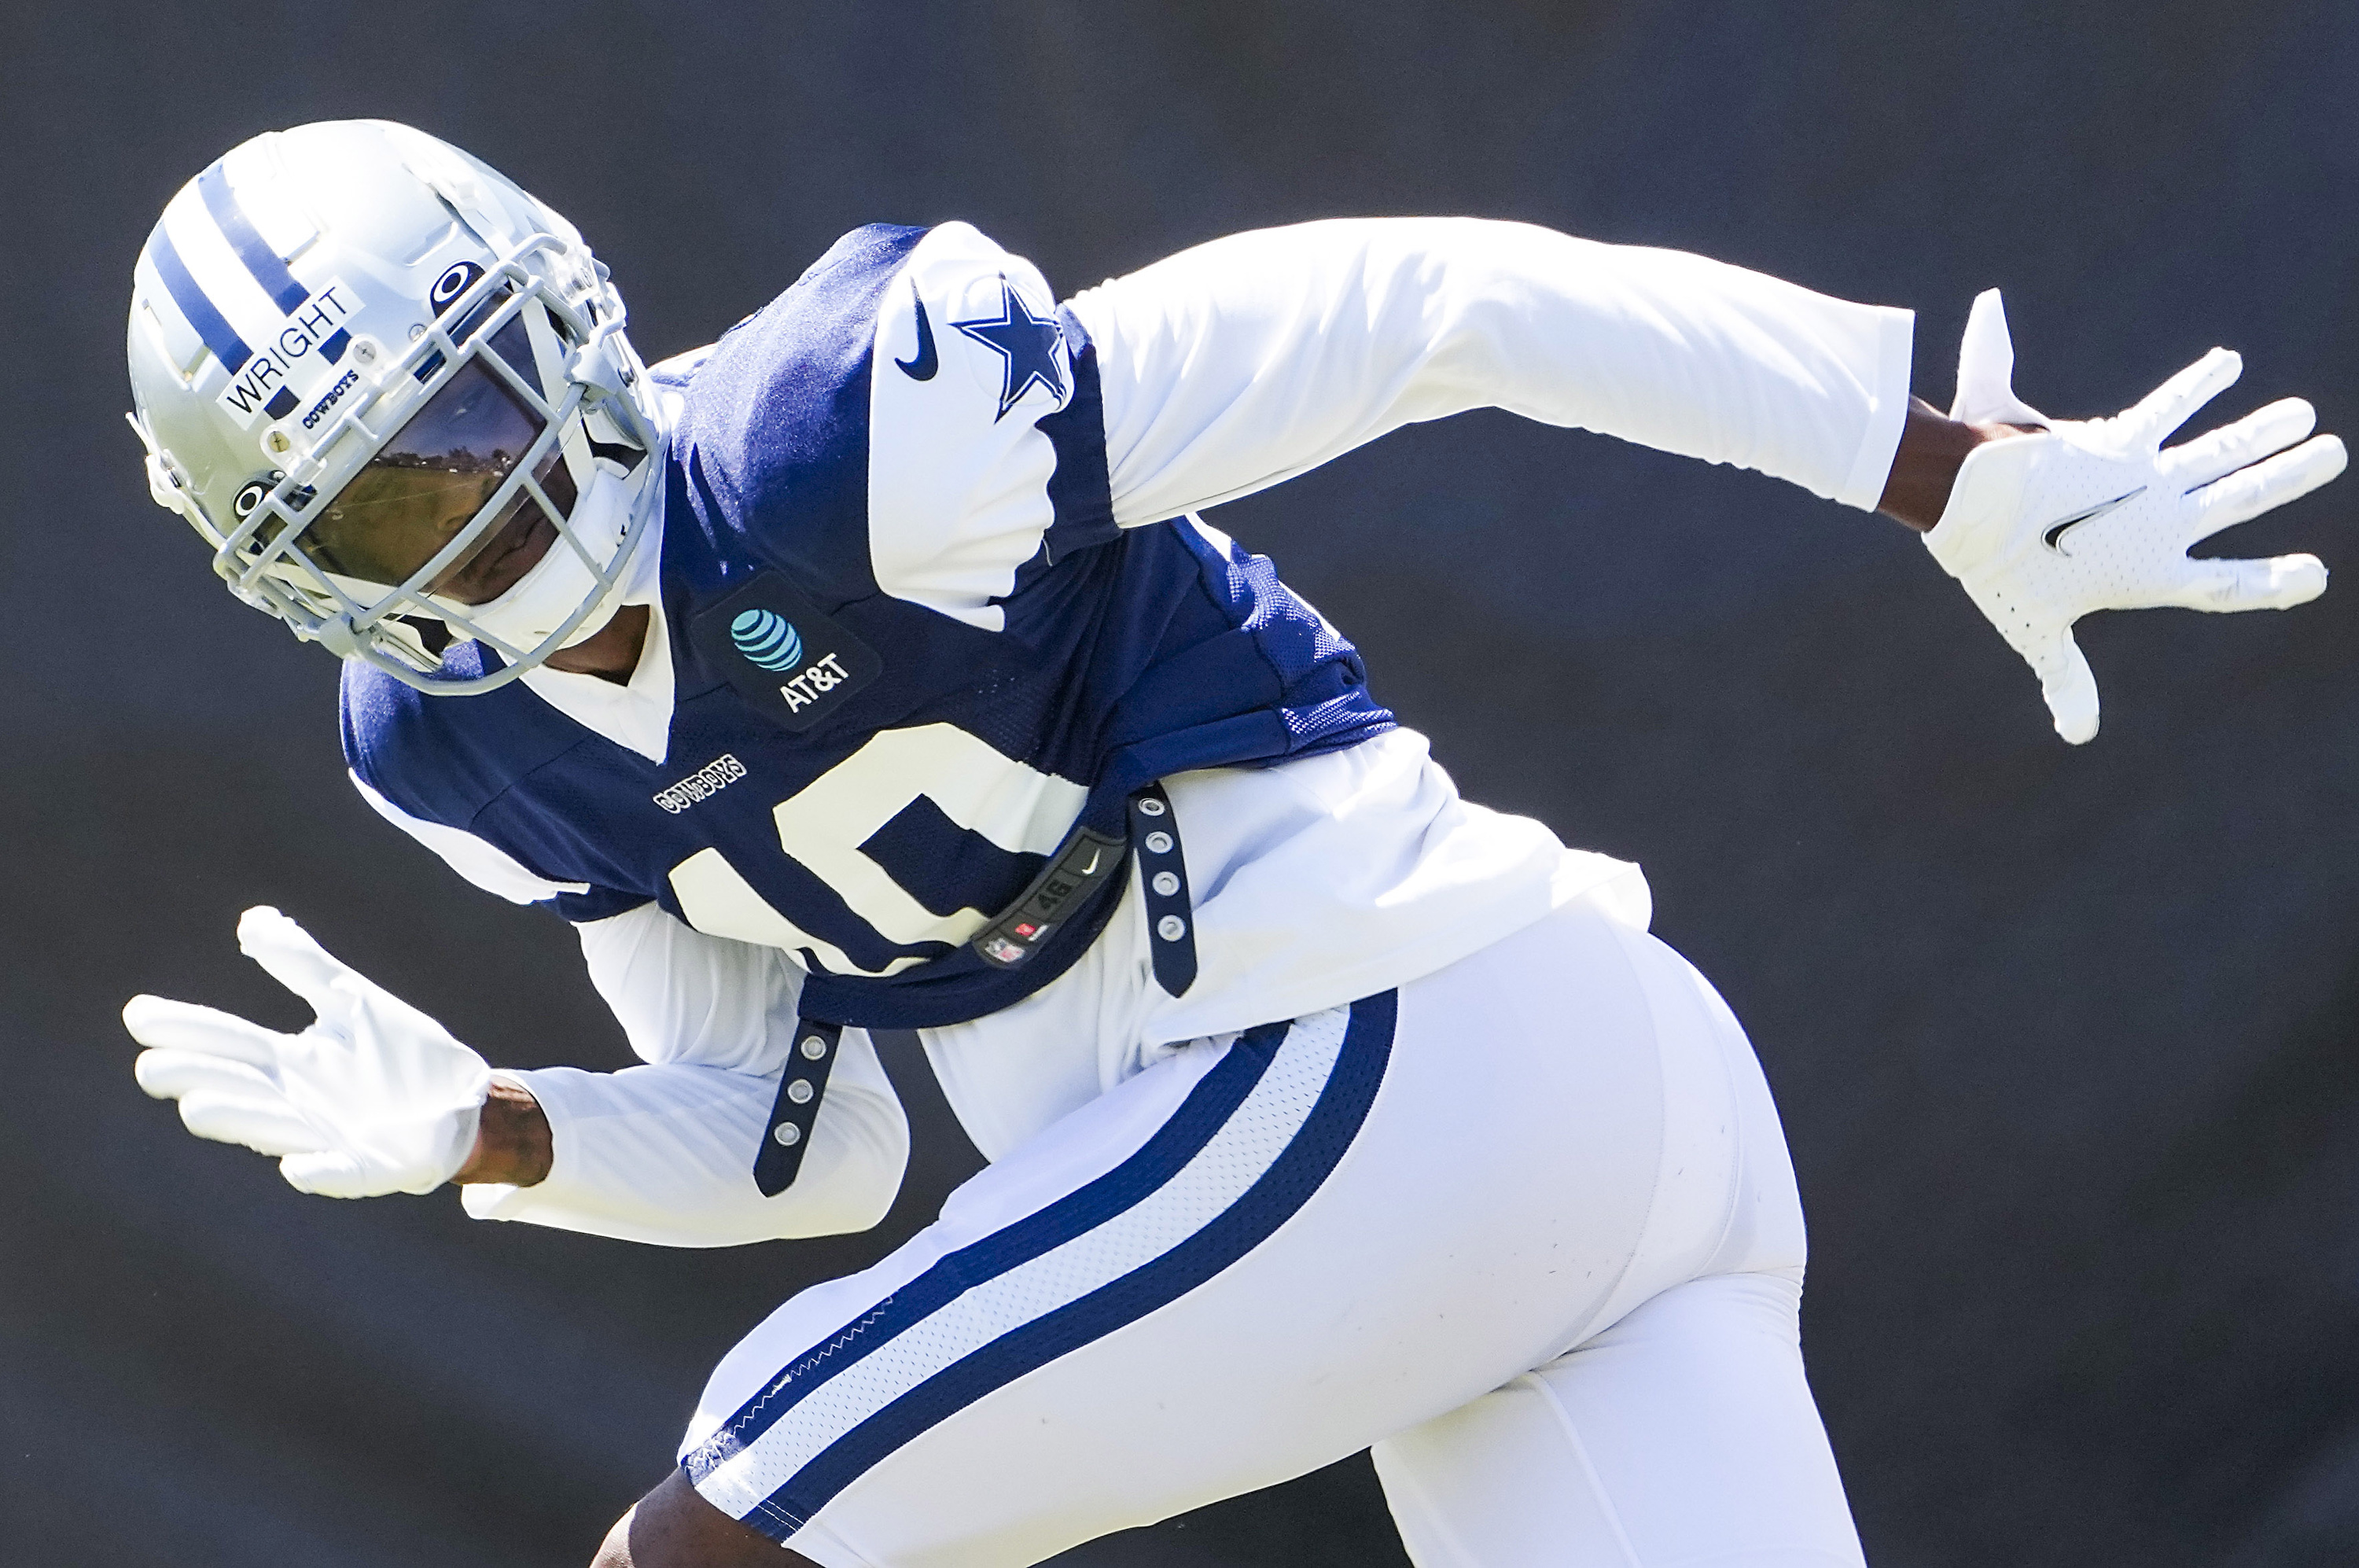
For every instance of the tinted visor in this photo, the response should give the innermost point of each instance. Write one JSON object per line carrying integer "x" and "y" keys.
{"x": 431, "y": 478}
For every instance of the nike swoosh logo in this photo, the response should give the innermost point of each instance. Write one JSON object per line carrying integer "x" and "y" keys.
{"x": 921, "y": 368}
{"x": 2056, "y": 532}
{"x": 1092, "y": 866}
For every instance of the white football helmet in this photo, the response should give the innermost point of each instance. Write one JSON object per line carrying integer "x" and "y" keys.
{"x": 368, "y": 368}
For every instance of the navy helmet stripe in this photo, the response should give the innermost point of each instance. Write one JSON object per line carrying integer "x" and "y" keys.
{"x": 1201, "y": 1114}
{"x": 252, "y": 249}
{"x": 211, "y": 325}
{"x": 1317, "y": 1148}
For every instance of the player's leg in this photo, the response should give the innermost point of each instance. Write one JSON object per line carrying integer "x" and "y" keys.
{"x": 1245, "y": 1262}
{"x": 673, "y": 1528}
{"x": 1684, "y": 1432}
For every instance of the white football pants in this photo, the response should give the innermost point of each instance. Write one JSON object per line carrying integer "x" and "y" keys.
{"x": 1527, "y": 1225}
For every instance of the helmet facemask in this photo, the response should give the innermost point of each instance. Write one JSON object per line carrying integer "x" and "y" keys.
{"x": 388, "y": 522}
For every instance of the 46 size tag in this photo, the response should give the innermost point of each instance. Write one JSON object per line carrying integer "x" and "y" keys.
{"x": 792, "y": 662}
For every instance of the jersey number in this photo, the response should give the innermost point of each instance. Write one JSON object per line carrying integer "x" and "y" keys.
{"x": 822, "y": 826}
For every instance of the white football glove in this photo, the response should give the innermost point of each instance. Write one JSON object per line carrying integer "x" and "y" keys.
{"x": 374, "y": 1097}
{"x": 2095, "y": 515}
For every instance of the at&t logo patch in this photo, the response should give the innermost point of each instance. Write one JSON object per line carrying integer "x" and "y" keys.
{"x": 770, "y": 640}
{"x": 770, "y": 628}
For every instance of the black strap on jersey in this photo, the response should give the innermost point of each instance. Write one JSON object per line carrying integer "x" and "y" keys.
{"x": 801, "y": 1088}
{"x": 1080, "y": 867}
{"x": 1163, "y": 878}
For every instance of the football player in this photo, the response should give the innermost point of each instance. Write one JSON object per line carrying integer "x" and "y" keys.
{"x": 875, "y": 668}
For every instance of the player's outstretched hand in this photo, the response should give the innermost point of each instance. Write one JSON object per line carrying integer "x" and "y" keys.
{"x": 2098, "y": 515}
{"x": 374, "y": 1097}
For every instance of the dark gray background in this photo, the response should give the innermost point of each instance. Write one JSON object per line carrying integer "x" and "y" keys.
{"x": 2061, "y": 1036}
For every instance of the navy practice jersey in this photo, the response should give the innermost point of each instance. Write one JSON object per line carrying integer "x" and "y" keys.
{"x": 866, "y": 773}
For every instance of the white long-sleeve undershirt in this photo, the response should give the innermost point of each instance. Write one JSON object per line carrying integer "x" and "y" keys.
{"x": 1248, "y": 360}
{"x": 664, "y": 1152}
{"x": 1223, "y": 370}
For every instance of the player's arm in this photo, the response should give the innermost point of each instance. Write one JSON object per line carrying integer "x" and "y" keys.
{"x": 376, "y": 1097}
{"x": 1234, "y": 366}
{"x": 1242, "y": 362}
{"x": 514, "y": 1144}
{"x": 659, "y": 1153}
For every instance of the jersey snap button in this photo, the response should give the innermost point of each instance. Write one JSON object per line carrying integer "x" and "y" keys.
{"x": 787, "y": 1134}
{"x": 1159, "y": 843}
{"x": 1165, "y": 883}
{"x": 814, "y": 1047}
{"x": 1151, "y": 807}
{"x": 800, "y": 1091}
{"x": 1172, "y": 928}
